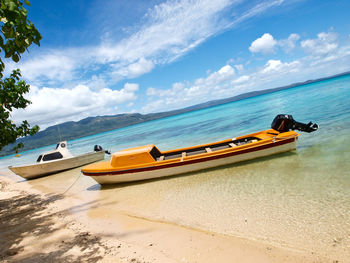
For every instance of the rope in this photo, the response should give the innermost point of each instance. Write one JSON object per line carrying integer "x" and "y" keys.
{"x": 72, "y": 184}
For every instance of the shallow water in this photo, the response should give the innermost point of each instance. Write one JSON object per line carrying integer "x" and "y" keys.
{"x": 299, "y": 199}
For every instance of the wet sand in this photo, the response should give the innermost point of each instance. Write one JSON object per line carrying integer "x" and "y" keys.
{"x": 69, "y": 218}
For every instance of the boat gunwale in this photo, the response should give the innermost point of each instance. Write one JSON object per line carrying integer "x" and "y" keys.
{"x": 56, "y": 161}
{"x": 223, "y": 153}
{"x": 255, "y": 134}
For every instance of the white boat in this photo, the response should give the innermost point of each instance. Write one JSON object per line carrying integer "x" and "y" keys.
{"x": 56, "y": 161}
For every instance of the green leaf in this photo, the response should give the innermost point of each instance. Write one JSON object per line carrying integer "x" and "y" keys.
{"x": 12, "y": 6}
{"x": 18, "y": 33}
{"x": 15, "y": 58}
{"x": 7, "y": 55}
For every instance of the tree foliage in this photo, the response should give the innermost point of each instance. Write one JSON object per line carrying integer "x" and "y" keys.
{"x": 16, "y": 35}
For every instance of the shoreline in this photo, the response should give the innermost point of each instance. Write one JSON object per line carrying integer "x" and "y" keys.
{"x": 158, "y": 115}
{"x": 40, "y": 224}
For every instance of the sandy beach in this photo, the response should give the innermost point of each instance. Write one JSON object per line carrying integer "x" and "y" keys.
{"x": 46, "y": 220}
{"x": 223, "y": 127}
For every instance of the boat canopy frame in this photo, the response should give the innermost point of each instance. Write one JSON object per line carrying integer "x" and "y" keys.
{"x": 203, "y": 149}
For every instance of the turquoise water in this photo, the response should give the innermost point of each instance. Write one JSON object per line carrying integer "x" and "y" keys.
{"x": 299, "y": 199}
{"x": 326, "y": 103}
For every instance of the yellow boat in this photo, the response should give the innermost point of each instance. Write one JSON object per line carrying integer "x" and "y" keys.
{"x": 148, "y": 162}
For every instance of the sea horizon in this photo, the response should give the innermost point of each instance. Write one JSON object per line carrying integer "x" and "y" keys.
{"x": 195, "y": 107}
{"x": 298, "y": 200}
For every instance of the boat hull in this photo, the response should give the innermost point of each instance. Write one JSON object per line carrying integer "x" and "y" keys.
{"x": 194, "y": 165}
{"x": 55, "y": 166}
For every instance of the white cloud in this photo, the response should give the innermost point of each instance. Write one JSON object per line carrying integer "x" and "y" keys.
{"x": 239, "y": 67}
{"x": 276, "y": 66}
{"x": 97, "y": 82}
{"x": 265, "y": 44}
{"x": 166, "y": 32}
{"x": 151, "y": 92}
{"x": 141, "y": 67}
{"x": 183, "y": 93}
{"x": 222, "y": 75}
{"x": 340, "y": 54}
{"x": 257, "y": 10}
{"x": 228, "y": 81}
{"x": 131, "y": 87}
{"x": 241, "y": 79}
{"x": 326, "y": 51}
{"x": 132, "y": 70}
{"x": 52, "y": 105}
{"x": 290, "y": 43}
{"x": 322, "y": 45}
{"x": 169, "y": 31}
{"x": 51, "y": 66}
{"x": 272, "y": 65}
{"x": 222, "y": 84}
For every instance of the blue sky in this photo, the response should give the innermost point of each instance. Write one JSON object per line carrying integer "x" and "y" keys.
{"x": 109, "y": 57}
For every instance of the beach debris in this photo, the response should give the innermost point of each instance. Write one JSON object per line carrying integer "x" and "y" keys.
{"x": 336, "y": 241}
{"x": 11, "y": 252}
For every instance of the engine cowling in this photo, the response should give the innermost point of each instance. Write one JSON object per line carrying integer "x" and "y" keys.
{"x": 285, "y": 122}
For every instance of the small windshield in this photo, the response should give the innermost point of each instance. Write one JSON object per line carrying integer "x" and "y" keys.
{"x": 39, "y": 158}
{"x": 52, "y": 156}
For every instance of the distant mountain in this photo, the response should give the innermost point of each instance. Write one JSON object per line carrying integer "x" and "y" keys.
{"x": 93, "y": 125}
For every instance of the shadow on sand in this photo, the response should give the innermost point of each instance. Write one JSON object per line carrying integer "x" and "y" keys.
{"x": 24, "y": 215}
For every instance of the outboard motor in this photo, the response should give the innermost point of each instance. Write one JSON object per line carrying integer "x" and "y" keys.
{"x": 98, "y": 148}
{"x": 284, "y": 123}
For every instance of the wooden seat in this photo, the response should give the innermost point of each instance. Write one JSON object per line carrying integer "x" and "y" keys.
{"x": 208, "y": 150}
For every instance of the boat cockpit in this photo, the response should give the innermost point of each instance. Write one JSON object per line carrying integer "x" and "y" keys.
{"x": 60, "y": 152}
{"x": 206, "y": 148}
